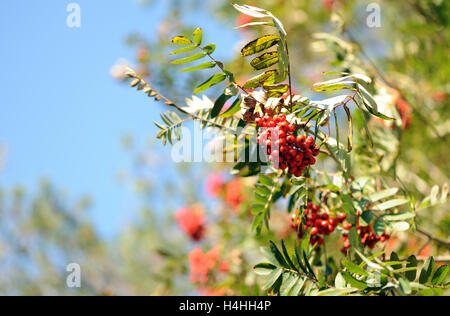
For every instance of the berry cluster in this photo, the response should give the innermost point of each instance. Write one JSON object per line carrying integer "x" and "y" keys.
{"x": 286, "y": 150}
{"x": 191, "y": 221}
{"x": 367, "y": 236}
{"x": 202, "y": 264}
{"x": 320, "y": 223}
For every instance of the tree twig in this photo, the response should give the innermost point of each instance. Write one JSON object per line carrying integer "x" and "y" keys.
{"x": 443, "y": 242}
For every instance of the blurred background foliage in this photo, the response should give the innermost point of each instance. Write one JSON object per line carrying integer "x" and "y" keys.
{"x": 41, "y": 232}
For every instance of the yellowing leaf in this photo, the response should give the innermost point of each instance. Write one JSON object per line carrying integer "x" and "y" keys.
{"x": 260, "y": 44}
{"x": 268, "y": 77}
{"x": 181, "y": 40}
{"x": 198, "y": 36}
{"x": 265, "y": 60}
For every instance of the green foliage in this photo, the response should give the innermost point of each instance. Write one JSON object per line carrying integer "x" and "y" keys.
{"x": 267, "y": 191}
{"x": 364, "y": 178}
{"x": 172, "y": 129}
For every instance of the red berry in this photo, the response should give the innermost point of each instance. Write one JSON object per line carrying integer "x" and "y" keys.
{"x": 314, "y": 231}
{"x": 347, "y": 226}
{"x": 290, "y": 138}
{"x": 342, "y": 216}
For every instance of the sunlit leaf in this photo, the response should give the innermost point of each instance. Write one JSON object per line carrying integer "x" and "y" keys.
{"x": 217, "y": 78}
{"x": 181, "y": 40}
{"x": 255, "y": 24}
{"x": 209, "y": 49}
{"x": 264, "y": 268}
{"x": 374, "y": 197}
{"x": 272, "y": 278}
{"x": 218, "y": 105}
{"x": 198, "y": 36}
{"x": 354, "y": 282}
{"x": 440, "y": 275}
{"x": 260, "y": 44}
{"x": 183, "y": 50}
{"x": 427, "y": 271}
{"x": 206, "y": 65}
{"x": 390, "y": 204}
{"x": 189, "y": 59}
{"x": 233, "y": 109}
{"x": 268, "y": 77}
{"x": 265, "y": 60}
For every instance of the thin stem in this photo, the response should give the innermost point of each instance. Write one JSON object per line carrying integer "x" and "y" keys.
{"x": 289, "y": 74}
{"x": 220, "y": 66}
{"x": 172, "y": 104}
{"x": 440, "y": 241}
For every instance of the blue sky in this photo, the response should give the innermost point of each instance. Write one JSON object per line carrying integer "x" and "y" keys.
{"x": 62, "y": 114}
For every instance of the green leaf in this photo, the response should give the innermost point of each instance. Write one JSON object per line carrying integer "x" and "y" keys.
{"x": 349, "y": 209}
{"x": 346, "y": 85}
{"x": 183, "y": 50}
{"x": 209, "y": 49}
{"x": 398, "y": 217}
{"x": 370, "y": 103}
{"x": 263, "y": 190}
{"x": 206, "y": 65}
{"x": 298, "y": 287}
{"x": 218, "y": 105}
{"x": 304, "y": 245}
{"x": 264, "y": 268}
{"x": 405, "y": 287}
{"x": 257, "y": 208}
{"x": 440, "y": 274}
{"x": 308, "y": 266}
{"x": 353, "y": 237}
{"x": 266, "y": 180}
{"x": 272, "y": 278}
{"x": 217, "y": 78}
{"x": 354, "y": 282}
{"x": 268, "y": 77}
{"x": 339, "y": 281}
{"x": 394, "y": 257}
{"x": 257, "y": 223}
{"x": 374, "y": 197}
{"x": 265, "y": 61}
{"x": 277, "y": 254}
{"x": 390, "y": 204}
{"x": 233, "y": 109}
{"x": 260, "y": 44}
{"x": 289, "y": 280}
{"x": 287, "y": 257}
{"x": 181, "y": 40}
{"x": 299, "y": 259}
{"x": 267, "y": 253}
{"x": 277, "y": 90}
{"x": 198, "y": 35}
{"x": 412, "y": 263}
{"x": 427, "y": 271}
{"x": 350, "y": 129}
{"x": 188, "y": 59}
{"x": 353, "y": 268}
{"x": 251, "y": 11}
{"x": 256, "y": 24}
{"x": 379, "y": 227}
